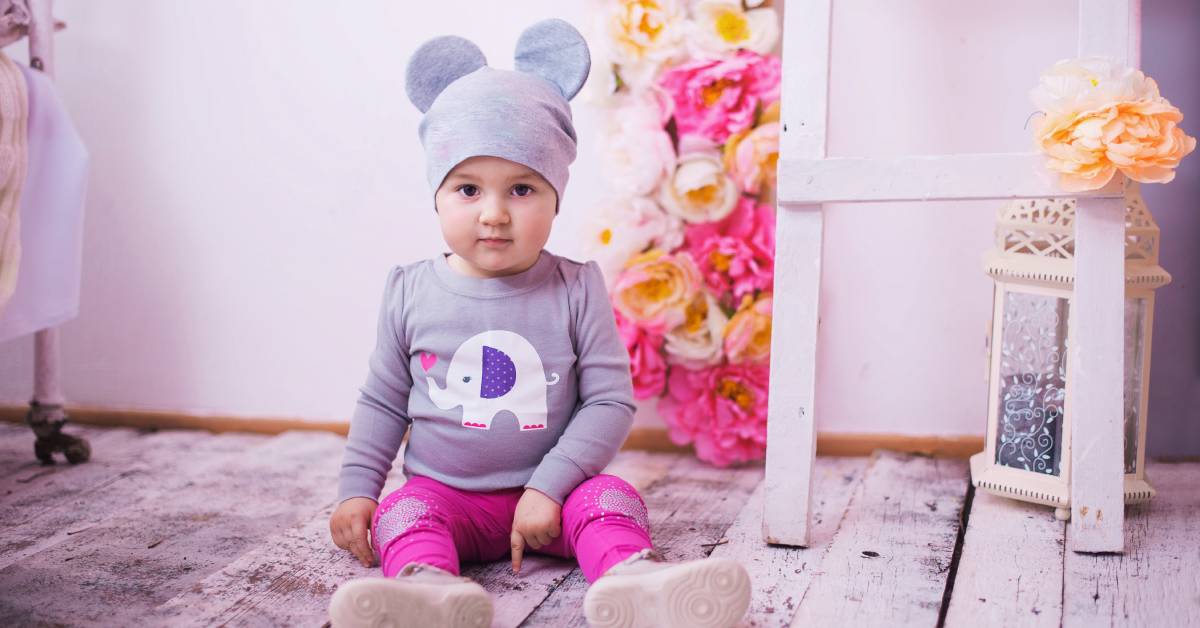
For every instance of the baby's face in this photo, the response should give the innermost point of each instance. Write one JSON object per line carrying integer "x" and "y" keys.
{"x": 495, "y": 215}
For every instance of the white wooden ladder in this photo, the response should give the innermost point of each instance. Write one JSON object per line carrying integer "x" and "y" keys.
{"x": 807, "y": 178}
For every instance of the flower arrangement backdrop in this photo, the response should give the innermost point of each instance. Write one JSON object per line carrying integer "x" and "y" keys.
{"x": 690, "y": 139}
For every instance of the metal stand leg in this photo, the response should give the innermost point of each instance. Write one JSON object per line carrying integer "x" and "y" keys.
{"x": 46, "y": 415}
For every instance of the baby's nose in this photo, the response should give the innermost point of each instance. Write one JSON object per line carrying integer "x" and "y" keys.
{"x": 494, "y": 214}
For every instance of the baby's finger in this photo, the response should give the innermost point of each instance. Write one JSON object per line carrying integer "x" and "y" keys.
{"x": 359, "y": 548}
{"x": 358, "y": 532}
{"x": 518, "y": 550}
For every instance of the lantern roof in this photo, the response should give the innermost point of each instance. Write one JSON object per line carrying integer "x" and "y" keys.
{"x": 1045, "y": 227}
{"x": 1035, "y": 241}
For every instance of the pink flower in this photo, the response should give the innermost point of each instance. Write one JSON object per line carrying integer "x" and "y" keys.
{"x": 733, "y": 266}
{"x": 748, "y": 221}
{"x": 722, "y": 410}
{"x": 646, "y": 362}
{"x": 736, "y": 256}
{"x": 718, "y": 97}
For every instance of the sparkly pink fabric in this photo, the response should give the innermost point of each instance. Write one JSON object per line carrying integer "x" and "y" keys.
{"x": 604, "y": 522}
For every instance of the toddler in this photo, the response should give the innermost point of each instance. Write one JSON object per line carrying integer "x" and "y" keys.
{"x": 503, "y": 363}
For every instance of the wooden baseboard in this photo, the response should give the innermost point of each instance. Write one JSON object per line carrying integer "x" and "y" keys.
{"x": 156, "y": 420}
{"x": 641, "y": 438}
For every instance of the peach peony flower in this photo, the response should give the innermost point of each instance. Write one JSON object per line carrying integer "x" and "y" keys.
{"x": 639, "y": 36}
{"x": 623, "y": 228}
{"x": 699, "y": 190}
{"x": 752, "y": 157}
{"x": 1102, "y": 118}
{"x": 716, "y": 98}
{"x": 636, "y": 149}
{"x": 721, "y": 27}
{"x": 656, "y": 288}
{"x": 696, "y": 343}
{"x": 748, "y": 333}
{"x": 646, "y": 363}
{"x": 1141, "y": 139}
{"x": 722, "y": 409}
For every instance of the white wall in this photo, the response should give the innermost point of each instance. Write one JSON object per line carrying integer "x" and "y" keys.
{"x": 256, "y": 171}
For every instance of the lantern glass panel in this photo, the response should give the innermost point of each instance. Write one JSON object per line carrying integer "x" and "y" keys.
{"x": 1033, "y": 380}
{"x": 1135, "y": 320}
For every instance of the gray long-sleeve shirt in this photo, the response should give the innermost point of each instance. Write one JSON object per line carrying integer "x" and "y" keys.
{"x": 506, "y": 382}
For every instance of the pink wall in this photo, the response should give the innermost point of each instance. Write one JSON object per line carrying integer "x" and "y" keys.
{"x": 257, "y": 171}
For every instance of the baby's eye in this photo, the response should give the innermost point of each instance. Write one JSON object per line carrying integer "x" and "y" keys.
{"x": 522, "y": 190}
{"x": 468, "y": 190}
{"x": 466, "y": 379}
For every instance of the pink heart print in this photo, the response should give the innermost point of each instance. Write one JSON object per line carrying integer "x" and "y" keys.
{"x": 619, "y": 501}
{"x": 428, "y": 360}
{"x": 399, "y": 518}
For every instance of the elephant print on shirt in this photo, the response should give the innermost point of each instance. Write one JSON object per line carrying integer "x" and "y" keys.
{"x": 493, "y": 371}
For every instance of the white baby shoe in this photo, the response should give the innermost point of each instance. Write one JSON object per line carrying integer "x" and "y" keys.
{"x": 420, "y": 596}
{"x": 642, "y": 592}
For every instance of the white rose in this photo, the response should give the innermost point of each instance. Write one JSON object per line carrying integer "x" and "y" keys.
{"x": 636, "y": 150}
{"x": 1076, "y": 85}
{"x": 622, "y": 229}
{"x": 699, "y": 190}
{"x": 698, "y": 342}
{"x": 721, "y": 27}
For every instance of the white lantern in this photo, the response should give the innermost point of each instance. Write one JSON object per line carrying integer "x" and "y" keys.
{"x": 1028, "y": 442}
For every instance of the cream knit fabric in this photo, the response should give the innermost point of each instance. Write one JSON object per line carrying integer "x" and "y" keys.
{"x": 14, "y": 116}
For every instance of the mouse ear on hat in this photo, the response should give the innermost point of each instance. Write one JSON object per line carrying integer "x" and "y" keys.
{"x": 555, "y": 51}
{"x": 438, "y": 63}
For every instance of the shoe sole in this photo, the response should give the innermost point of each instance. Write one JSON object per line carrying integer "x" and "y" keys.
{"x": 390, "y": 603}
{"x": 711, "y": 593}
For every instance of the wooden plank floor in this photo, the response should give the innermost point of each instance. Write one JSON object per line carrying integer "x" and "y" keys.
{"x": 181, "y": 528}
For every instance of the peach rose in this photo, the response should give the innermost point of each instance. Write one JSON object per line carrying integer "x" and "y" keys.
{"x": 748, "y": 333}
{"x": 655, "y": 289}
{"x": 752, "y": 158}
{"x": 639, "y": 36}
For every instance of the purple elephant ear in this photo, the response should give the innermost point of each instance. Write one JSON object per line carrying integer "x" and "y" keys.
{"x": 499, "y": 374}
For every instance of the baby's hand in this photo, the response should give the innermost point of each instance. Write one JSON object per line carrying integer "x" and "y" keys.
{"x": 349, "y": 525}
{"x": 537, "y": 522}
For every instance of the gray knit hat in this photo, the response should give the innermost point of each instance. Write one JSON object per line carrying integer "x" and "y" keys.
{"x": 522, "y": 116}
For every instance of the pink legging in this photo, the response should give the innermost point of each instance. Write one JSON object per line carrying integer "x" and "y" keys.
{"x": 604, "y": 521}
